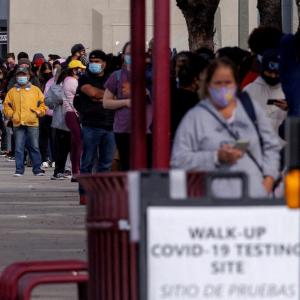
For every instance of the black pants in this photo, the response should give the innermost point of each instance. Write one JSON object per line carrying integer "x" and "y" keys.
{"x": 13, "y": 146}
{"x": 62, "y": 149}
{"x": 3, "y": 134}
{"x": 123, "y": 145}
{"x": 46, "y": 138}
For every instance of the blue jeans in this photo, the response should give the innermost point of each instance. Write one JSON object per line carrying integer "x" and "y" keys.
{"x": 29, "y": 136}
{"x": 96, "y": 140}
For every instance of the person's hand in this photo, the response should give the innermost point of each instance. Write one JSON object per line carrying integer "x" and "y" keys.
{"x": 36, "y": 112}
{"x": 282, "y": 104}
{"x": 128, "y": 103}
{"x": 126, "y": 89}
{"x": 268, "y": 184}
{"x": 229, "y": 155}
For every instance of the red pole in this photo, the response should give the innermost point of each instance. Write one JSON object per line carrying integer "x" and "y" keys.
{"x": 161, "y": 122}
{"x": 138, "y": 86}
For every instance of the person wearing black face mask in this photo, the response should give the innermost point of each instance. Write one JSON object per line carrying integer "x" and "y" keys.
{"x": 45, "y": 74}
{"x": 267, "y": 89}
{"x": 45, "y": 136}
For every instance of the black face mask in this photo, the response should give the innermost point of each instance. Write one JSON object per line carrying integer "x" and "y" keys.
{"x": 272, "y": 81}
{"x": 47, "y": 76}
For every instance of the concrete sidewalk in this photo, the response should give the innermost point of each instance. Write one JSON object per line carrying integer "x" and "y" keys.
{"x": 40, "y": 219}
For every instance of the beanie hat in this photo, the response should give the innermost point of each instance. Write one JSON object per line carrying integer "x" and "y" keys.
{"x": 98, "y": 54}
{"x": 38, "y": 56}
{"x": 24, "y": 61}
{"x": 77, "y": 48}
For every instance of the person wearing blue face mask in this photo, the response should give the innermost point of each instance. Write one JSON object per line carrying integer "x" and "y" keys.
{"x": 218, "y": 135}
{"x": 117, "y": 97}
{"x": 97, "y": 122}
{"x": 24, "y": 105}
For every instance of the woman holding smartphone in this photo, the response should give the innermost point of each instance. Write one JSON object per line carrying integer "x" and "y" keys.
{"x": 209, "y": 137}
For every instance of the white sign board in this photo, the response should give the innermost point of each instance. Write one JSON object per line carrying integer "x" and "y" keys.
{"x": 221, "y": 253}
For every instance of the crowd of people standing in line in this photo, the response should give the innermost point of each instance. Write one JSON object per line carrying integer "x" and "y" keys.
{"x": 80, "y": 107}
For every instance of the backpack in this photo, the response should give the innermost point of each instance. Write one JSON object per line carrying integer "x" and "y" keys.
{"x": 54, "y": 96}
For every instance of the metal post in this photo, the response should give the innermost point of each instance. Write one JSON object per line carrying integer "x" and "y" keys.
{"x": 161, "y": 122}
{"x": 138, "y": 85}
{"x": 287, "y": 16}
{"x": 243, "y": 23}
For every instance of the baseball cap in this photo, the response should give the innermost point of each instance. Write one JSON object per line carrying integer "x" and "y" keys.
{"x": 271, "y": 60}
{"x": 76, "y": 64}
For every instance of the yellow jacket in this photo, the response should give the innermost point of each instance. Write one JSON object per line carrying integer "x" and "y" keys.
{"x": 24, "y": 105}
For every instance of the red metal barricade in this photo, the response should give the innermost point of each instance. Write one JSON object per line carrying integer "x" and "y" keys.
{"x": 28, "y": 282}
{"x": 14, "y": 273}
{"x": 195, "y": 184}
{"x": 112, "y": 258}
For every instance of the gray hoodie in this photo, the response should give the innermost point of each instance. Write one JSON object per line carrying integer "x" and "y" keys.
{"x": 200, "y": 136}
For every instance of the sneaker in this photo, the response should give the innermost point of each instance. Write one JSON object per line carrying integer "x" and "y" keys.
{"x": 45, "y": 165}
{"x": 58, "y": 176}
{"x": 3, "y": 153}
{"x": 10, "y": 158}
{"x": 52, "y": 164}
{"x": 18, "y": 175}
{"x": 73, "y": 179}
{"x": 68, "y": 174}
{"x": 41, "y": 173}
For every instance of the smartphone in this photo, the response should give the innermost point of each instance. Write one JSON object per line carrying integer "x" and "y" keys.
{"x": 271, "y": 101}
{"x": 241, "y": 145}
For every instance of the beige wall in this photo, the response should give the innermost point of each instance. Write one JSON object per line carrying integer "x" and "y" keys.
{"x": 54, "y": 26}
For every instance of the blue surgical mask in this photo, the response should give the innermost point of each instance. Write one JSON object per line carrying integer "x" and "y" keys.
{"x": 127, "y": 59}
{"x": 22, "y": 80}
{"x": 95, "y": 68}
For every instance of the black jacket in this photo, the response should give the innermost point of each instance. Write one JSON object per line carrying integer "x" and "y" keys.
{"x": 92, "y": 114}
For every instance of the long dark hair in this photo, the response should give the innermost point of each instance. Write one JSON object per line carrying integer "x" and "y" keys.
{"x": 63, "y": 75}
{"x": 45, "y": 66}
{"x": 125, "y": 46}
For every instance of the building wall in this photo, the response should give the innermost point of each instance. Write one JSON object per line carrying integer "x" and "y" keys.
{"x": 54, "y": 26}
